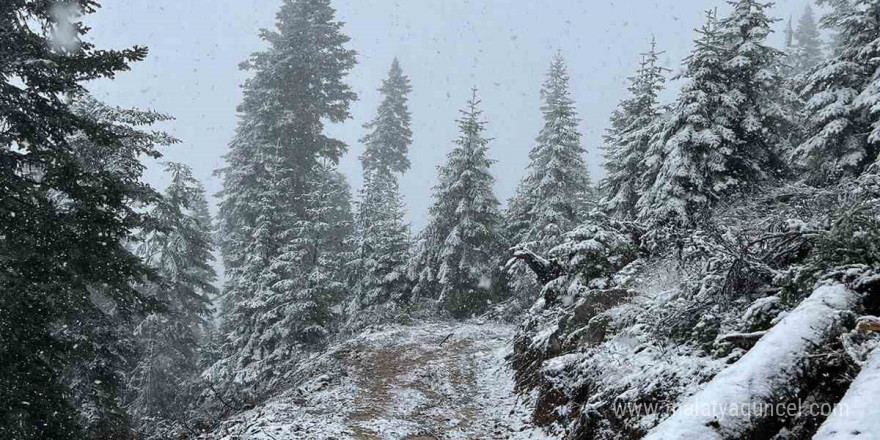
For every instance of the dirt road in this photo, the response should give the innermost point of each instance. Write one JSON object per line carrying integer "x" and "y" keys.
{"x": 435, "y": 381}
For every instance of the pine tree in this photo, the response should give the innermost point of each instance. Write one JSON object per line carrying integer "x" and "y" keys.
{"x": 842, "y": 95}
{"x": 102, "y": 335}
{"x": 63, "y": 222}
{"x": 390, "y": 136}
{"x": 309, "y": 272}
{"x": 806, "y": 50}
{"x": 726, "y": 132}
{"x": 179, "y": 247}
{"x": 681, "y": 189}
{"x": 278, "y": 166}
{"x": 757, "y": 88}
{"x": 634, "y": 125}
{"x": 382, "y": 242}
{"x": 382, "y": 238}
{"x": 553, "y": 194}
{"x": 460, "y": 243}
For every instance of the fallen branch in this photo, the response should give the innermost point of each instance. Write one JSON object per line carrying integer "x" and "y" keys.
{"x": 544, "y": 269}
{"x": 445, "y": 339}
{"x": 220, "y": 398}
{"x": 742, "y": 340}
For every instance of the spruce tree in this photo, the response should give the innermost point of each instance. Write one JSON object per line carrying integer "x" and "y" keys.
{"x": 460, "y": 243}
{"x": 806, "y": 50}
{"x": 382, "y": 253}
{"x": 726, "y": 131}
{"x": 309, "y": 272}
{"x": 390, "y": 136}
{"x": 554, "y": 193}
{"x": 381, "y": 236}
{"x": 681, "y": 189}
{"x": 280, "y": 163}
{"x": 757, "y": 88}
{"x": 634, "y": 125}
{"x": 63, "y": 222}
{"x": 179, "y": 248}
{"x": 842, "y": 95}
{"x": 105, "y": 346}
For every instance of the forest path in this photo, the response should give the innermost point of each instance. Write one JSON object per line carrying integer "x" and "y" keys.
{"x": 431, "y": 381}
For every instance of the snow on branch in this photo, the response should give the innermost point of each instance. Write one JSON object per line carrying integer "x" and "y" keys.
{"x": 544, "y": 269}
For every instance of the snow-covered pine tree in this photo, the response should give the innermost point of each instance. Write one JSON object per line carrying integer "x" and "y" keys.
{"x": 309, "y": 272}
{"x": 460, "y": 246}
{"x": 556, "y": 190}
{"x": 726, "y": 130}
{"x": 63, "y": 221}
{"x": 389, "y": 135}
{"x": 381, "y": 236}
{"x": 805, "y": 52}
{"x": 179, "y": 247}
{"x": 634, "y": 125}
{"x": 843, "y": 118}
{"x": 753, "y": 69}
{"x": 681, "y": 190}
{"x": 382, "y": 252}
{"x": 557, "y": 187}
{"x": 104, "y": 347}
{"x": 276, "y": 167}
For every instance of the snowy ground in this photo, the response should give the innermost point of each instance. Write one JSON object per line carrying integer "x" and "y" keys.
{"x": 400, "y": 383}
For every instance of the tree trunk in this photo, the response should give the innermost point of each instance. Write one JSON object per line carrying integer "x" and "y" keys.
{"x": 857, "y": 415}
{"x": 735, "y": 403}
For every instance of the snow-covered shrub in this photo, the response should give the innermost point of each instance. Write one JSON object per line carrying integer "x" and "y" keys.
{"x": 854, "y": 235}
{"x": 570, "y": 304}
{"x": 598, "y": 248}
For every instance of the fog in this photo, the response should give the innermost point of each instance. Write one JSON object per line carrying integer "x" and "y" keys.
{"x": 445, "y": 47}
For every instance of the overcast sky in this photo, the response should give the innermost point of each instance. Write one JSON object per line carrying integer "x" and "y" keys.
{"x": 503, "y": 47}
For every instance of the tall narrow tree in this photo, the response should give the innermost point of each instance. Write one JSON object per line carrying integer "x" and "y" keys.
{"x": 180, "y": 249}
{"x": 806, "y": 50}
{"x": 382, "y": 238}
{"x": 634, "y": 124}
{"x": 460, "y": 243}
{"x": 389, "y": 135}
{"x": 789, "y": 35}
{"x": 279, "y": 162}
{"x": 553, "y": 194}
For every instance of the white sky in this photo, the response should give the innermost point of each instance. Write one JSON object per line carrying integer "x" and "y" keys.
{"x": 445, "y": 47}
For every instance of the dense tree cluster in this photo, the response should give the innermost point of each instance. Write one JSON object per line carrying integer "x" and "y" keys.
{"x": 758, "y": 183}
{"x": 731, "y": 243}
